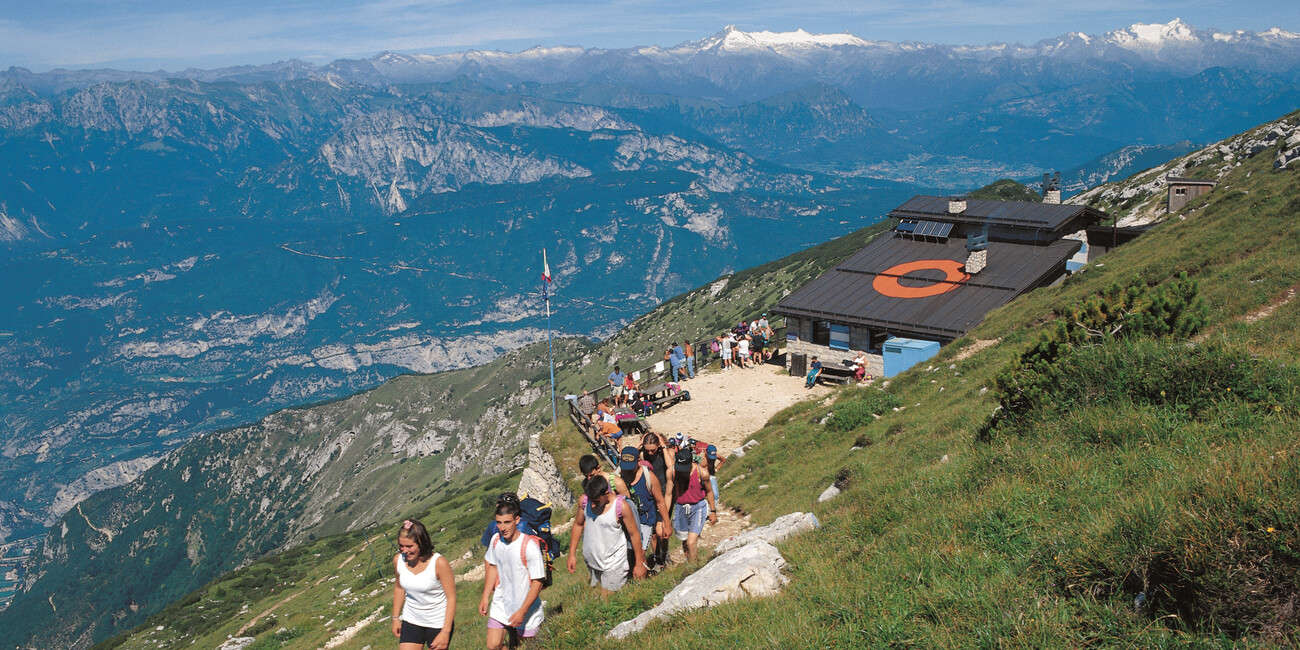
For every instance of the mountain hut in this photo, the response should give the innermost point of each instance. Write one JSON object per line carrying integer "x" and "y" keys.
{"x": 947, "y": 263}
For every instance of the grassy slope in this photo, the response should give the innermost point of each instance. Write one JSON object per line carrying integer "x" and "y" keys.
{"x": 1038, "y": 537}
{"x": 1006, "y": 190}
{"x": 1043, "y": 538}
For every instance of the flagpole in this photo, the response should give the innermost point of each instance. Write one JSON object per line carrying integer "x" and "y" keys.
{"x": 550, "y": 350}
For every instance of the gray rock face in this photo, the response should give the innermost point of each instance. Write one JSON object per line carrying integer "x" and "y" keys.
{"x": 751, "y": 570}
{"x": 785, "y": 526}
{"x": 542, "y": 480}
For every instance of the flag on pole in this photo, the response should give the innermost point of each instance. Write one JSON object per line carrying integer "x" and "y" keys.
{"x": 546, "y": 277}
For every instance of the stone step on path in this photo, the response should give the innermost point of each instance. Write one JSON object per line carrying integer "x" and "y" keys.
{"x": 729, "y": 523}
{"x": 749, "y": 565}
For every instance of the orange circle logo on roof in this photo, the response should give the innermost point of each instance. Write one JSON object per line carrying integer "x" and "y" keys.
{"x": 887, "y": 282}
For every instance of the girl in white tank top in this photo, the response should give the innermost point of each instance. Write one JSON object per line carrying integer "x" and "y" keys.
{"x": 424, "y": 593}
{"x": 425, "y": 600}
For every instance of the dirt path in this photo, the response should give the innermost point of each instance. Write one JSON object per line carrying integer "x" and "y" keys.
{"x": 728, "y": 406}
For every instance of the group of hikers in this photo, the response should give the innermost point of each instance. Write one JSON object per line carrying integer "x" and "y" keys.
{"x": 624, "y": 521}
{"x": 746, "y": 345}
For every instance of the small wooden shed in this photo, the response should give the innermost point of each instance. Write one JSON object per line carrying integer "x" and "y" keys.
{"x": 1182, "y": 190}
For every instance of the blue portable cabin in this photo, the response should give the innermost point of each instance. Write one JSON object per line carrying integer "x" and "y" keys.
{"x": 901, "y": 354}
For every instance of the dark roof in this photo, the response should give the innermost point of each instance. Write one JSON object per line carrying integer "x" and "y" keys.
{"x": 845, "y": 294}
{"x": 1016, "y": 214}
{"x": 1176, "y": 180}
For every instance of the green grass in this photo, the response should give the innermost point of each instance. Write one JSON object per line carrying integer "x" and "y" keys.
{"x": 1006, "y": 190}
{"x": 1043, "y": 533}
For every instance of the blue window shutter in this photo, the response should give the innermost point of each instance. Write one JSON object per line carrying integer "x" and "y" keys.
{"x": 839, "y": 337}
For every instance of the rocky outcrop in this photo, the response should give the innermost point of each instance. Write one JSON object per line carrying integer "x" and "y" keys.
{"x": 1280, "y": 139}
{"x": 784, "y": 527}
{"x": 541, "y": 480}
{"x": 748, "y": 565}
{"x": 98, "y": 480}
{"x": 751, "y": 570}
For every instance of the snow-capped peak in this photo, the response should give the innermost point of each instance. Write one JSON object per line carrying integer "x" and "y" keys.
{"x": 732, "y": 38}
{"x": 1155, "y": 35}
{"x": 1277, "y": 33}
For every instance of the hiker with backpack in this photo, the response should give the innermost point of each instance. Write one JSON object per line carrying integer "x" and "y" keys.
{"x": 693, "y": 496}
{"x": 647, "y": 496}
{"x": 424, "y": 593}
{"x": 604, "y": 523}
{"x": 654, "y": 453}
{"x": 516, "y": 573}
{"x": 589, "y": 467}
{"x": 534, "y": 519}
{"x": 711, "y": 459}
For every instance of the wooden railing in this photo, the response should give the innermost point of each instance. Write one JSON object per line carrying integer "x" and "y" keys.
{"x": 704, "y": 357}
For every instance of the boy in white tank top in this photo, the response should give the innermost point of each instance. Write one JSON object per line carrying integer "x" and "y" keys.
{"x": 600, "y": 523}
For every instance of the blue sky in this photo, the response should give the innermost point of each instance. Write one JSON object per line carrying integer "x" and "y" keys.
{"x": 176, "y": 34}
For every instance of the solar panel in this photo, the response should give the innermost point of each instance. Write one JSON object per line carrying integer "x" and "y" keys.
{"x": 932, "y": 229}
{"x": 905, "y": 226}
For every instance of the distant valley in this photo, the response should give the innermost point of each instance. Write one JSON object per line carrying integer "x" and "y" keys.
{"x": 194, "y": 251}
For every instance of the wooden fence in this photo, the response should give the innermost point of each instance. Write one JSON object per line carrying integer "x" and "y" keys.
{"x": 704, "y": 357}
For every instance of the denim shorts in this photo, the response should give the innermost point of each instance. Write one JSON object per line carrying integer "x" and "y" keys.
{"x": 689, "y": 518}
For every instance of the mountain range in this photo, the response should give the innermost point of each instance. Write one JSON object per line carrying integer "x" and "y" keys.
{"x": 196, "y": 250}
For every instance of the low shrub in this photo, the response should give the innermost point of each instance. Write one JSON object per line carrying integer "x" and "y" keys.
{"x": 278, "y": 639}
{"x": 858, "y": 412}
{"x": 1213, "y": 384}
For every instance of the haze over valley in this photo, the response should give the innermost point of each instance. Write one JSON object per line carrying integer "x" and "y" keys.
{"x": 191, "y": 252}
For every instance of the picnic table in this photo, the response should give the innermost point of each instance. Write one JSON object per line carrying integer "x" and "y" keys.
{"x": 837, "y": 374}
{"x": 661, "y": 395}
{"x": 632, "y": 425}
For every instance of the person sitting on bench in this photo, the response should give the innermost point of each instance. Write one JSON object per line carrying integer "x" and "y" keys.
{"x": 814, "y": 371}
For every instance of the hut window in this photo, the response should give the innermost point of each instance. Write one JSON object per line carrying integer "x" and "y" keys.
{"x": 821, "y": 333}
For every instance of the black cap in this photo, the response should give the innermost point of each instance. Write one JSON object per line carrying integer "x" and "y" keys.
{"x": 684, "y": 458}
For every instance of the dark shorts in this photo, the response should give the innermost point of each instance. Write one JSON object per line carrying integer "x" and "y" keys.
{"x": 412, "y": 633}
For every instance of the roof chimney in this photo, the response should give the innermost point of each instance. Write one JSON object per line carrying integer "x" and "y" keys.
{"x": 1052, "y": 188}
{"x": 956, "y": 204}
{"x": 977, "y": 251}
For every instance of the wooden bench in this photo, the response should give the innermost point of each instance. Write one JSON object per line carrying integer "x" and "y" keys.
{"x": 836, "y": 374}
{"x": 668, "y": 400}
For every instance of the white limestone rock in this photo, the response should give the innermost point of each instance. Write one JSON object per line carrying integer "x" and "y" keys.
{"x": 542, "y": 480}
{"x": 237, "y": 643}
{"x": 785, "y": 526}
{"x": 830, "y": 493}
{"x": 751, "y": 570}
